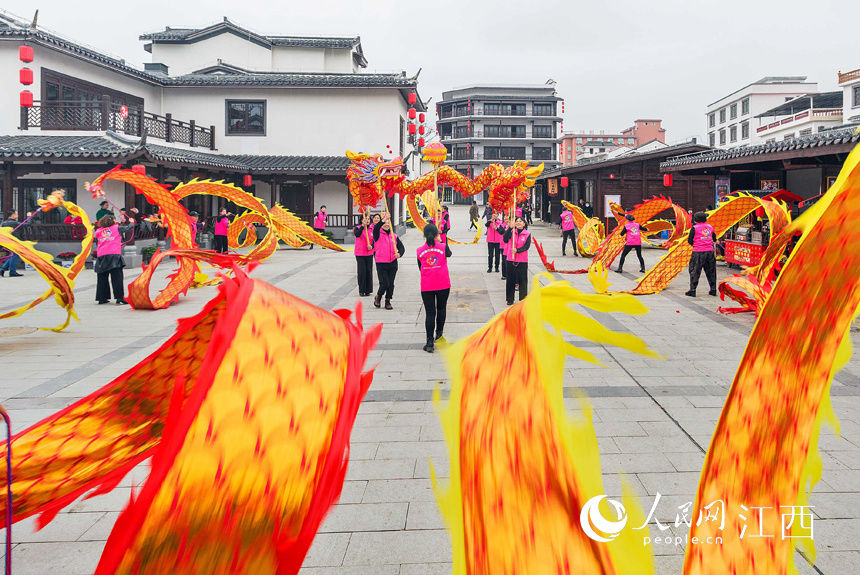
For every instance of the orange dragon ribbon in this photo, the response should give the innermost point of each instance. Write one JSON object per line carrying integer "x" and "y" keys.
{"x": 246, "y": 412}
{"x": 61, "y": 280}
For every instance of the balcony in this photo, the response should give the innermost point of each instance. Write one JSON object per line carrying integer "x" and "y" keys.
{"x": 500, "y": 114}
{"x": 851, "y": 76}
{"x": 103, "y": 115}
{"x": 807, "y": 115}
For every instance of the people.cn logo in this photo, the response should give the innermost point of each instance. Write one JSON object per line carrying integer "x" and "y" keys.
{"x": 596, "y": 526}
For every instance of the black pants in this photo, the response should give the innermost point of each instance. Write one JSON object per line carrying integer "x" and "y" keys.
{"x": 221, "y": 244}
{"x": 571, "y": 233}
{"x": 105, "y": 280}
{"x": 435, "y": 308}
{"x": 320, "y": 231}
{"x": 504, "y": 263}
{"x": 386, "y": 273}
{"x": 626, "y": 251}
{"x": 365, "y": 274}
{"x": 518, "y": 273}
{"x": 706, "y": 261}
{"x": 473, "y": 224}
{"x": 493, "y": 253}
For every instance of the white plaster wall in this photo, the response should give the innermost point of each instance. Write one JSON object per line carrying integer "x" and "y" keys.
{"x": 64, "y": 64}
{"x": 287, "y": 59}
{"x": 231, "y": 49}
{"x": 338, "y": 61}
{"x": 309, "y": 122}
{"x": 334, "y": 195}
{"x": 850, "y": 109}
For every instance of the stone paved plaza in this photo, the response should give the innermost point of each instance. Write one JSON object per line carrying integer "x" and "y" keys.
{"x": 654, "y": 418}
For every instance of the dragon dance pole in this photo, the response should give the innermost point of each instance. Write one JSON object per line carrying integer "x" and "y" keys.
{"x": 385, "y": 210}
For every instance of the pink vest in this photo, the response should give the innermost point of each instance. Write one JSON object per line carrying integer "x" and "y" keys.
{"x": 703, "y": 238}
{"x": 386, "y": 248}
{"x": 519, "y": 212}
{"x": 519, "y": 238}
{"x": 221, "y": 225}
{"x": 492, "y": 234}
{"x": 434, "y": 267}
{"x": 361, "y": 248}
{"x": 109, "y": 241}
{"x": 503, "y": 227}
{"x": 319, "y": 220}
{"x": 634, "y": 235}
{"x": 567, "y": 220}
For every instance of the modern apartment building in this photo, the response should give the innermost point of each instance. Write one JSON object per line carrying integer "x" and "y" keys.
{"x": 484, "y": 124}
{"x": 850, "y": 84}
{"x": 801, "y": 116}
{"x": 577, "y": 145}
{"x": 730, "y": 121}
{"x": 220, "y": 101}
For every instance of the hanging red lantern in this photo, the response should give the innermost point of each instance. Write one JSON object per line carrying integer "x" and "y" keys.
{"x": 564, "y": 181}
{"x": 26, "y": 98}
{"x": 413, "y": 98}
{"x": 421, "y": 117}
{"x": 25, "y": 53}
{"x": 247, "y": 180}
{"x": 139, "y": 169}
{"x": 25, "y": 75}
{"x": 411, "y": 113}
{"x": 421, "y": 130}
{"x": 420, "y": 142}
{"x": 611, "y": 176}
{"x": 667, "y": 180}
{"x": 412, "y": 128}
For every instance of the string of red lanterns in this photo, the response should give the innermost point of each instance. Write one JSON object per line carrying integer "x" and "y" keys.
{"x": 25, "y": 75}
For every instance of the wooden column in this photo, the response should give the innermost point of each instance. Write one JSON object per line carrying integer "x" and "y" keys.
{"x": 8, "y": 183}
{"x": 129, "y": 197}
{"x": 312, "y": 184}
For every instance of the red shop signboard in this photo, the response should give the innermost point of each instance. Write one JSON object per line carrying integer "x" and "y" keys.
{"x": 743, "y": 253}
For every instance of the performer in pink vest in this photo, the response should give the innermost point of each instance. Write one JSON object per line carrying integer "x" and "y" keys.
{"x": 109, "y": 262}
{"x": 364, "y": 255}
{"x": 501, "y": 228}
{"x": 632, "y": 233}
{"x": 702, "y": 238}
{"x": 319, "y": 220}
{"x": 435, "y": 282}
{"x": 387, "y": 248}
{"x": 519, "y": 240}
{"x": 568, "y": 230}
{"x": 222, "y": 222}
{"x": 493, "y": 249}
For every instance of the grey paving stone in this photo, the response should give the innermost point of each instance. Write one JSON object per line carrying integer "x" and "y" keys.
{"x": 677, "y": 483}
{"x": 65, "y": 527}
{"x": 352, "y": 491}
{"x": 327, "y": 550}
{"x": 381, "y": 469}
{"x": 387, "y": 490}
{"x": 365, "y": 517}
{"x": 424, "y": 515}
{"x": 426, "y": 569}
{"x": 374, "y": 570}
{"x": 398, "y": 547}
{"x": 68, "y": 558}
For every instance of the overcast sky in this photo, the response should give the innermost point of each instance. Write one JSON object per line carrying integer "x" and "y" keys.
{"x": 614, "y": 60}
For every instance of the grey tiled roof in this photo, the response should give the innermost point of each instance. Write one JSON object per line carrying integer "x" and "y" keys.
{"x": 848, "y": 135}
{"x": 180, "y": 34}
{"x": 314, "y": 42}
{"x": 112, "y": 147}
{"x": 337, "y": 164}
{"x": 26, "y": 147}
{"x": 295, "y": 80}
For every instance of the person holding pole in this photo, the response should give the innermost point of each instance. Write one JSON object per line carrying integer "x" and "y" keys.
{"x": 632, "y": 233}
{"x": 519, "y": 241}
{"x": 387, "y": 249}
{"x": 364, "y": 255}
{"x": 702, "y": 238}
{"x": 435, "y": 283}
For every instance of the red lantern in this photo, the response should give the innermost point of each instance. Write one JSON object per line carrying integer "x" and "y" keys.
{"x": 667, "y": 180}
{"x": 421, "y": 117}
{"x": 139, "y": 169}
{"x": 411, "y": 113}
{"x": 25, "y": 53}
{"x": 564, "y": 181}
{"x": 421, "y": 130}
{"x": 412, "y": 98}
{"x": 26, "y": 76}
{"x": 412, "y": 128}
{"x": 26, "y": 98}
{"x": 611, "y": 176}
{"x": 123, "y": 111}
{"x": 420, "y": 142}
{"x": 247, "y": 181}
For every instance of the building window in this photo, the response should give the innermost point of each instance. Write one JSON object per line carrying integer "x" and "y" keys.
{"x": 722, "y": 137}
{"x": 579, "y": 148}
{"x": 402, "y": 136}
{"x": 504, "y": 131}
{"x": 789, "y": 137}
{"x": 461, "y": 131}
{"x": 505, "y": 109}
{"x": 712, "y": 137}
{"x": 733, "y": 134}
{"x": 723, "y": 116}
{"x": 745, "y": 106}
{"x": 25, "y": 194}
{"x": 856, "y": 90}
{"x": 504, "y": 153}
{"x": 542, "y": 153}
{"x": 712, "y": 120}
{"x": 630, "y": 140}
{"x": 542, "y": 132}
{"x": 246, "y": 117}
{"x": 745, "y": 130}
{"x": 733, "y": 111}
{"x": 805, "y": 132}
{"x": 579, "y": 140}
{"x": 542, "y": 110}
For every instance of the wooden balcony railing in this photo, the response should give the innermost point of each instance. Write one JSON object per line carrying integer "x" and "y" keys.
{"x": 101, "y": 115}
{"x": 334, "y": 220}
{"x": 849, "y": 76}
{"x": 75, "y": 233}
